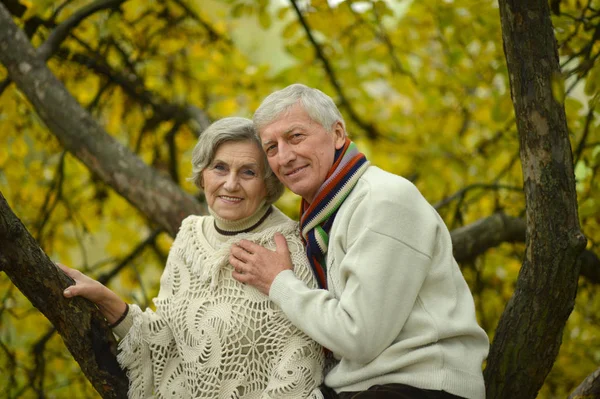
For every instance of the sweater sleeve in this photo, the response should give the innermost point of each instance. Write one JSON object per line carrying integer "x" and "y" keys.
{"x": 147, "y": 349}
{"x": 380, "y": 274}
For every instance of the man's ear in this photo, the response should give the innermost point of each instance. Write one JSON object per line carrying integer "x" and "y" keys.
{"x": 339, "y": 135}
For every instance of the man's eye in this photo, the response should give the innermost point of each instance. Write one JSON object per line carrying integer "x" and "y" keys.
{"x": 271, "y": 149}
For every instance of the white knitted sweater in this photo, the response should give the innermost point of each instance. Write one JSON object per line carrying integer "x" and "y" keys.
{"x": 213, "y": 337}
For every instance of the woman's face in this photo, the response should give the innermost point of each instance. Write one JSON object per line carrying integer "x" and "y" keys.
{"x": 233, "y": 182}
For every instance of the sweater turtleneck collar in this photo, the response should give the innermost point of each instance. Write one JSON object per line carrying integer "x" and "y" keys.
{"x": 232, "y": 227}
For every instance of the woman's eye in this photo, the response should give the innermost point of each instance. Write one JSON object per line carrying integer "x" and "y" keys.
{"x": 219, "y": 167}
{"x": 249, "y": 172}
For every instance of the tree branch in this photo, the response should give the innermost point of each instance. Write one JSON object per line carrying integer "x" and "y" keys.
{"x": 371, "y": 131}
{"x": 586, "y": 130}
{"x": 476, "y": 238}
{"x": 384, "y": 37}
{"x": 134, "y": 87}
{"x": 212, "y": 33}
{"x": 197, "y": 119}
{"x": 151, "y": 239}
{"x": 60, "y": 33}
{"x": 172, "y": 146}
{"x": 589, "y": 388}
{"x": 83, "y": 328}
{"x": 10, "y": 367}
{"x": 47, "y": 208}
{"x": 462, "y": 192}
{"x": 15, "y": 8}
{"x": 161, "y": 200}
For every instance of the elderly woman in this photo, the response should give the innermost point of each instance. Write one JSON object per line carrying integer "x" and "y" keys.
{"x": 211, "y": 336}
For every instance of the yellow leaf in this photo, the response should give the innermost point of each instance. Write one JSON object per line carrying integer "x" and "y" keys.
{"x": 19, "y": 147}
{"x": 3, "y": 158}
{"x": 226, "y": 107}
{"x": 558, "y": 87}
{"x": 290, "y": 30}
{"x": 264, "y": 18}
{"x": 283, "y": 12}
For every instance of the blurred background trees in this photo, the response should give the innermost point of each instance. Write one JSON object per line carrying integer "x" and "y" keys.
{"x": 423, "y": 86}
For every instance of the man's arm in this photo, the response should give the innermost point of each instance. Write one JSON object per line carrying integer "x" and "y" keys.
{"x": 381, "y": 277}
{"x": 372, "y": 307}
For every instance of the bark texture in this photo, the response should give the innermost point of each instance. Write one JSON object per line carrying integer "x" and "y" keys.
{"x": 81, "y": 325}
{"x": 474, "y": 239}
{"x": 530, "y": 330}
{"x": 589, "y": 388}
{"x": 157, "y": 197}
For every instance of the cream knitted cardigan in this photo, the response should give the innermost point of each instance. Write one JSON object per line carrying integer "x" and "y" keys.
{"x": 213, "y": 337}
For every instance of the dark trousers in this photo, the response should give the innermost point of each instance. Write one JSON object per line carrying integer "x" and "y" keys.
{"x": 389, "y": 391}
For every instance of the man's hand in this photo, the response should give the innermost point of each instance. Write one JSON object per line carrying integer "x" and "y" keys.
{"x": 258, "y": 266}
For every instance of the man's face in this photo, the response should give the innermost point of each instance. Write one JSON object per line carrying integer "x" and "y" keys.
{"x": 301, "y": 151}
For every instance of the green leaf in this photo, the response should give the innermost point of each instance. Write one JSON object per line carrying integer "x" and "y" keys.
{"x": 264, "y": 18}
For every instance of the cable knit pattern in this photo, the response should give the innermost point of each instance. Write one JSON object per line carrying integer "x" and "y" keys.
{"x": 213, "y": 337}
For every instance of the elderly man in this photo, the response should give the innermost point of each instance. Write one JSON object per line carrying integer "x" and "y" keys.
{"x": 393, "y": 307}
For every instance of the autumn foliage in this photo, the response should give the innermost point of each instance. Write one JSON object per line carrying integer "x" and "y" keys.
{"x": 423, "y": 86}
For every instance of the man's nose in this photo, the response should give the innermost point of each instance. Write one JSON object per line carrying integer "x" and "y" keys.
{"x": 286, "y": 154}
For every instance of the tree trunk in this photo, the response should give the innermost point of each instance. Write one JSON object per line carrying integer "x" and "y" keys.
{"x": 530, "y": 330}
{"x": 81, "y": 325}
{"x": 158, "y": 198}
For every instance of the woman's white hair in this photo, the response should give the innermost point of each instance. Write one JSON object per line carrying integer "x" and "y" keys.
{"x": 227, "y": 130}
{"x": 318, "y": 105}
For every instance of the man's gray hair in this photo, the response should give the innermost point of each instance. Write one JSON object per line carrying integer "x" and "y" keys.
{"x": 318, "y": 105}
{"x": 227, "y": 130}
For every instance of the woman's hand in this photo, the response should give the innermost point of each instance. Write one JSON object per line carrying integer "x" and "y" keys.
{"x": 109, "y": 303}
{"x": 84, "y": 286}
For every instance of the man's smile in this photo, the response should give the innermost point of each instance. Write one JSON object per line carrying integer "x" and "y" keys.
{"x": 295, "y": 171}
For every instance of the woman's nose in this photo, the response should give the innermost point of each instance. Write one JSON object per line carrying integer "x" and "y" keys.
{"x": 231, "y": 182}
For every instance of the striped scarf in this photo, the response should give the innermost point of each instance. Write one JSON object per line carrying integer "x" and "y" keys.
{"x": 317, "y": 217}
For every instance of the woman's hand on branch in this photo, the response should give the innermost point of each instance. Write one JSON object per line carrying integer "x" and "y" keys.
{"x": 109, "y": 303}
